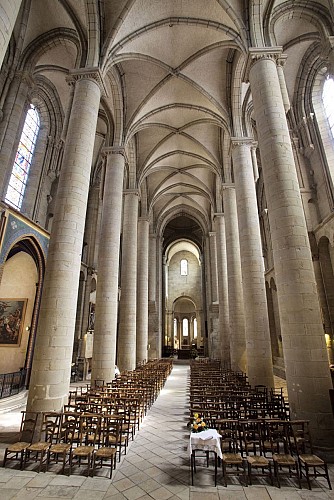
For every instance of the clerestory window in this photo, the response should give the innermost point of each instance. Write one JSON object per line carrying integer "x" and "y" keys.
{"x": 184, "y": 267}
{"x": 24, "y": 155}
{"x": 328, "y": 101}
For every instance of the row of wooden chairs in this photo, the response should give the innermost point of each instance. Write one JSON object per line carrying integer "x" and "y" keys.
{"x": 262, "y": 444}
{"x": 257, "y": 434}
{"x": 94, "y": 428}
{"x": 70, "y": 439}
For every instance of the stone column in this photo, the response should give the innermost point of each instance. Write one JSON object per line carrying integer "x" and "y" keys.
{"x": 9, "y": 10}
{"x": 142, "y": 289}
{"x": 213, "y": 266}
{"x": 152, "y": 272}
{"x": 254, "y": 161}
{"x": 106, "y": 308}
{"x": 235, "y": 296}
{"x": 51, "y": 367}
{"x": 152, "y": 297}
{"x": 258, "y": 343}
{"x": 285, "y": 96}
{"x": 90, "y": 238}
{"x": 224, "y": 319}
{"x": 307, "y": 372}
{"x": 126, "y": 346}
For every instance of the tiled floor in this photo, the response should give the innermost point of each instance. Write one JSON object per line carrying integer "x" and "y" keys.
{"x": 155, "y": 467}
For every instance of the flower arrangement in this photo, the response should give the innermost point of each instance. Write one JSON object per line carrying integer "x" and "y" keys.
{"x": 198, "y": 424}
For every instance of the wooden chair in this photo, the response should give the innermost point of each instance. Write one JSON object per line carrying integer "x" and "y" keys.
{"x": 232, "y": 461}
{"x": 89, "y": 437}
{"x": 277, "y": 442}
{"x": 310, "y": 464}
{"x": 68, "y": 433}
{"x": 251, "y": 433}
{"x": 37, "y": 452}
{"x": 109, "y": 441}
{"x": 16, "y": 451}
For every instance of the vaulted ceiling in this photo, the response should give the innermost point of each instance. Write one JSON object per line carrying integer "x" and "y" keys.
{"x": 174, "y": 73}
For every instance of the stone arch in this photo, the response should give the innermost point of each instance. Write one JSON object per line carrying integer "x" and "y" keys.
{"x": 28, "y": 244}
{"x": 185, "y": 308}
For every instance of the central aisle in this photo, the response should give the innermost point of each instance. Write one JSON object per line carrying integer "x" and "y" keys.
{"x": 157, "y": 462}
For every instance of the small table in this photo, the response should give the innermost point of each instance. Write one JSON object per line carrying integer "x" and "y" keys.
{"x": 208, "y": 441}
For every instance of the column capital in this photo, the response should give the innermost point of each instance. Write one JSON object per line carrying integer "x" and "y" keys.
{"x": 93, "y": 74}
{"x": 113, "y": 150}
{"x": 143, "y": 219}
{"x": 243, "y": 141}
{"x": 131, "y": 191}
{"x": 227, "y": 185}
{"x": 212, "y": 233}
{"x": 256, "y": 54}
{"x": 281, "y": 60}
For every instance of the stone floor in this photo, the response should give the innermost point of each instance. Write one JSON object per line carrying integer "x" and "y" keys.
{"x": 156, "y": 465}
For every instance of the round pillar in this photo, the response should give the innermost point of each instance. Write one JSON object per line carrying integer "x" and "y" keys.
{"x": 258, "y": 343}
{"x": 126, "y": 347}
{"x": 105, "y": 331}
{"x": 224, "y": 317}
{"x": 235, "y": 296}
{"x": 50, "y": 376}
{"x": 306, "y": 363}
{"x": 142, "y": 289}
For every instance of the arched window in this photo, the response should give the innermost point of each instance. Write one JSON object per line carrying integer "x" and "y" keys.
{"x": 195, "y": 328}
{"x": 184, "y": 267}
{"x": 328, "y": 100}
{"x": 175, "y": 327}
{"x": 19, "y": 177}
{"x": 185, "y": 327}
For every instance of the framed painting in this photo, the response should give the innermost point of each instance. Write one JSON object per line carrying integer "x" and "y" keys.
{"x": 12, "y": 313}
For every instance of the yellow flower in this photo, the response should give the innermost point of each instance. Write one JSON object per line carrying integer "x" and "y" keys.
{"x": 198, "y": 420}
{"x": 195, "y": 415}
{"x": 203, "y": 424}
{"x": 195, "y": 427}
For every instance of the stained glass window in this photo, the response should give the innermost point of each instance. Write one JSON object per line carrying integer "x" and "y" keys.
{"x": 184, "y": 267}
{"x": 328, "y": 100}
{"x": 19, "y": 177}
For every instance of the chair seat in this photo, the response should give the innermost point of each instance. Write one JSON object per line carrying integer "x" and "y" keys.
{"x": 311, "y": 460}
{"x": 282, "y": 459}
{"x": 17, "y": 447}
{"x": 105, "y": 452}
{"x": 83, "y": 450}
{"x": 257, "y": 460}
{"x": 232, "y": 458}
{"x": 60, "y": 447}
{"x": 38, "y": 446}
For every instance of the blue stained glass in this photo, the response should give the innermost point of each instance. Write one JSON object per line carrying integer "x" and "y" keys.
{"x": 23, "y": 158}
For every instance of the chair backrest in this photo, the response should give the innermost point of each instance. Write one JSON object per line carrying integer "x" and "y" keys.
{"x": 251, "y": 436}
{"x": 111, "y": 432}
{"x": 230, "y": 434}
{"x": 69, "y": 428}
{"x": 90, "y": 429}
{"x": 300, "y": 436}
{"x": 28, "y": 426}
{"x": 50, "y": 426}
{"x": 276, "y": 436}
